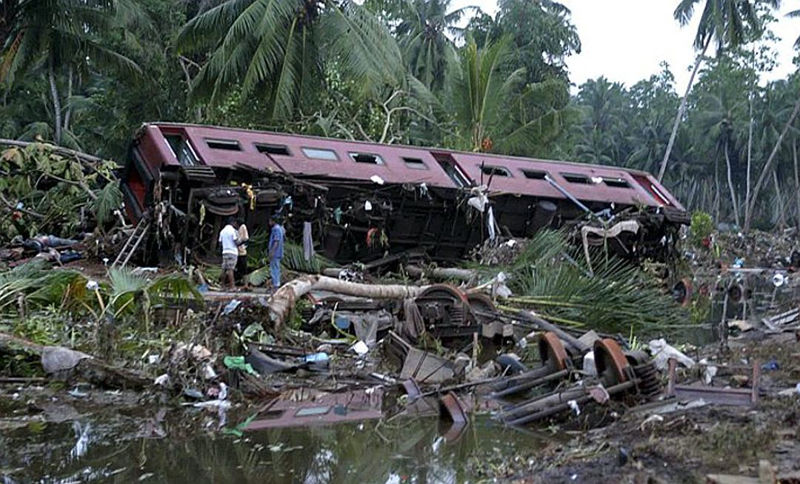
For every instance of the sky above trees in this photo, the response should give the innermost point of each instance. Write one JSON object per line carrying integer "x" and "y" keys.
{"x": 626, "y": 40}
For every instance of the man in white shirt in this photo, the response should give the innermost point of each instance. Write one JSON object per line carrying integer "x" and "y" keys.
{"x": 229, "y": 241}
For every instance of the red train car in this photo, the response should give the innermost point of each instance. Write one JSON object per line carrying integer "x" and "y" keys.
{"x": 367, "y": 199}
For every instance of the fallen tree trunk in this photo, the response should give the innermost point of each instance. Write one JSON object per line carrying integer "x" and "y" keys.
{"x": 56, "y": 149}
{"x": 87, "y": 368}
{"x": 283, "y": 301}
{"x": 445, "y": 273}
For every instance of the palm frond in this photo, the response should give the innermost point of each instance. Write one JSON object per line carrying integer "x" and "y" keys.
{"x": 109, "y": 198}
{"x": 616, "y": 298}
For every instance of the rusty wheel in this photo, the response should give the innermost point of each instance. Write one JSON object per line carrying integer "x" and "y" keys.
{"x": 482, "y": 307}
{"x": 611, "y": 363}
{"x": 446, "y": 312}
{"x": 442, "y": 291}
{"x": 552, "y": 351}
{"x": 682, "y": 292}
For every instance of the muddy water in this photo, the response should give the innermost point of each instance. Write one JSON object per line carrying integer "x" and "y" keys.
{"x": 64, "y": 442}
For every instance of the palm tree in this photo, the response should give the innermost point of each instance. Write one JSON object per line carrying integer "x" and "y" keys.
{"x": 795, "y": 14}
{"x": 725, "y": 22}
{"x": 719, "y": 121}
{"x": 497, "y": 112}
{"x": 286, "y": 45}
{"x": 62, "y": 35}
{"x": 422, "y": 35}
{"x": 765, "y": 170}
{"x": 599, "y": 138}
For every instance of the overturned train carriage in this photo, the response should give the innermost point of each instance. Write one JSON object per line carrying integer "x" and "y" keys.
{"x": 364, "y": 200}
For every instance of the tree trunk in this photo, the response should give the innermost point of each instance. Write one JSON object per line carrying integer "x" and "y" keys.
{"x": 730, "y": 186}
{"x": 682, "y": 111}
{"x": 82, "y": 157}
{"x": 283, "y": 301}
{"x": 717, "y": 190}
{"x": 765, "y": 171}
{"x": 796, "y": 183}
{"x": 781, "y": 216}
{"x": 68, "y": 114}
{"x": 749, "y": 158}
{"x": 51, "y": 76}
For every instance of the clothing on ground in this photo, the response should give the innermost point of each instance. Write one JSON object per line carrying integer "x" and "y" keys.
{"x": 243, "y": 237}
{"x": 228, "y": 237}
{"x": 229, "y": 262}
{"x": 276, "y": 238}
{"x": 308, "y": 242}
{"x": 275, "y": 271}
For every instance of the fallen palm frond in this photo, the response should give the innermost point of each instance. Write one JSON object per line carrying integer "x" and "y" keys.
{"x": 34, "y": 284}
{"x": 617, "y": 298}
{"x": 53, "y": 190}
{"x": 293, "y": 260}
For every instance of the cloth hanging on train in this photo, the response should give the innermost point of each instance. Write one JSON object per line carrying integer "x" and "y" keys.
{"x": 308, "y": 242}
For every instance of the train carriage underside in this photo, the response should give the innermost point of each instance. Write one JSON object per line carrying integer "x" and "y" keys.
{"x": 365, "y": 201}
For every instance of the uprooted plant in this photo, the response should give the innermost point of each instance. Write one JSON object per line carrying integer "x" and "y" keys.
{"x": 112, "y": 319}
{"x": 52, "y": 193}
{"x": 551, "y": 277}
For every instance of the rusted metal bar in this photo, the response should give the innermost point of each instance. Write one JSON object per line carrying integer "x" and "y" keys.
{"x": 570, "y": 340}
{"x": 561, "y": 407}
{"x": 543, "y": 402}
{"x": 527, "y": 385}
{"x": 716, "y": 395}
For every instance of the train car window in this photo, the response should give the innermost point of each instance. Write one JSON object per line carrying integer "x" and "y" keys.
{"x": 495, "y": 170}
{"x": 182, "y": 150}
{"x": 321, "y": 154}
{"x": 415, "y": 163}
{"x": 367, "y": 158}
{"x": 575, "y": 178}
{"x": 269, "y": 149}
{"x": 616, "y": 182}
{"x": 223, "y": 144}
{"x": 534, "y": 174}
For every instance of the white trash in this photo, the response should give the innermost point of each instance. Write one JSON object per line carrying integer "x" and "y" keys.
{"x": 663, "y": 352}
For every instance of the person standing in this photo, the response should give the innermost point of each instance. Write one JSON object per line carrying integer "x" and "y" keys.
{"x": 228, "y": 239}
{"x": 276, "y": 238}
{"x": 241, "y": 261}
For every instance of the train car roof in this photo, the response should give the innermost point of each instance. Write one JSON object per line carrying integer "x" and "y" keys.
{"x": 359, "y": 160}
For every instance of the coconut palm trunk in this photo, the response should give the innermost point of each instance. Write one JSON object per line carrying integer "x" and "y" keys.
{"x": 734, "y": 203}
{"x": 51, "y": 76}
{"x": 796, "y": 183}
{"x": 283, "y": 301}
{"x": 682, "y": 110}
{"x": 768, "y": 165}
{"x": 749, "y": 158}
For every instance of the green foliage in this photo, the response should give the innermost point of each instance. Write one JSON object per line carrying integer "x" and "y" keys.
{"x": 617, "y": 298}
{"x": 497, "y": 112}
{"x": 53, "y": 189}
{"x": 702, "y": 226}
{"x": 293, "y": 260}
{"x": 281, "y": 46}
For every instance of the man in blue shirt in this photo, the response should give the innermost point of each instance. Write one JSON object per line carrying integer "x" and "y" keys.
{"x": 276, "y": 238}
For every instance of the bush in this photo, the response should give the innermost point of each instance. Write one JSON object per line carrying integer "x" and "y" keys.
{"x": 702, "y": 226}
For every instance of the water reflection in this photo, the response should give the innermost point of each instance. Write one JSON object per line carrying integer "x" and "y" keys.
{"x": 412, "y": 450}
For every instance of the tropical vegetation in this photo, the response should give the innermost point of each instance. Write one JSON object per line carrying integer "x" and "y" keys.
{"x": 85, "y": 75}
